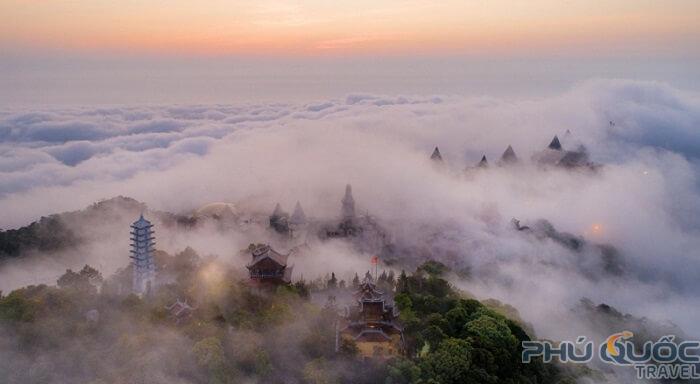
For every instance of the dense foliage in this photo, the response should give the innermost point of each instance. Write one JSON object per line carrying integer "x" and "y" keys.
{"x": 47, "y": 234}
{"x": 452, "y": 339}
{"x": 76, "y": 333}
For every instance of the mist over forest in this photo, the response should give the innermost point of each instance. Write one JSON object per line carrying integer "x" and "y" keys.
{"x": 599, "y": 235}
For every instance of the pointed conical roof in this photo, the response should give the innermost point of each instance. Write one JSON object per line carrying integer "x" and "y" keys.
{"x": 509, "y": 156}
{"x": 141, "y": 223}
{"x": 555, "y": 144}
{"x": 278, "y": 212}
{"x": 436, "y": 155}
{"x": 483, "y": 163}
{"x": 298, "y": 217}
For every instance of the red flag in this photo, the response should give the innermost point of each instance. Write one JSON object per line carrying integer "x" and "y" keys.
{"x": 375, "y": 260}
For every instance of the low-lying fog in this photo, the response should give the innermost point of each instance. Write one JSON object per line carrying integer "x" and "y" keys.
{"x": 643, "y": 200}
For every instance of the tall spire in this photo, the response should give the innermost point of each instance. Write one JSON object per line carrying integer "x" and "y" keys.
{"x": 298, "y": 217}
{"x": 509, "y": 156}
{"x": 144, "y": 269}
{"x": 278, "y": 212}
{"x": 348, "y": 204}
{"x": 555, "y": 144}
{"x": 279, "y": 220}
{"x": 483, "y": 163}
{"x": 436, "y": 156}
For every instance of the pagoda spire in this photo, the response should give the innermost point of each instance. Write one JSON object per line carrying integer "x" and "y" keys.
{"x": 509, "y": 156}
{"x": 436, "y": 156}
{"x": 555, "y": 144}
{"x": 278, "y": 211}
{"x": 142, "y": 247}
{"x": 483, "y": 163}
{"x": 279, "y": 220}
{"x": 298, "y": 216}
{"x": 348, "y": 203}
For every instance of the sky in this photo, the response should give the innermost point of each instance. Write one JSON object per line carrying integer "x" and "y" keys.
{"x": 104, "y": 52}
{"x": 314, "y": 27}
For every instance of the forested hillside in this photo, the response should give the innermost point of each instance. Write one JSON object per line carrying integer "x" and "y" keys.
{"x": 75, "y": 332}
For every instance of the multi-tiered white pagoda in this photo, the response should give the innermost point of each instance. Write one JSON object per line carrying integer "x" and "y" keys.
{"x": 142, "y": 243}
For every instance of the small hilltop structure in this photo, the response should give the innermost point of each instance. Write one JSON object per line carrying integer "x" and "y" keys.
{"x": 556, "y": 155}
{"x": 142, "y": 262}
{"x": 550, "y": 155}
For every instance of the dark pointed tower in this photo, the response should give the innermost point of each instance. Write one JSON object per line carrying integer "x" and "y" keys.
{"x": 278, "y": 211}
{"x": 555, "y": 144}
{"x": 348, "y": 204}
{"x": 298, "y": 216}
{"x": 436, "y": 156}
{"x": 483, "y": 163}
{"x": 279, "y": 220}
{"x": 144, "y": 269}
{"x": 509, "y": 156}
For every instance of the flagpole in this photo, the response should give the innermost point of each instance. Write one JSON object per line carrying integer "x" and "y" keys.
{"x": 375, "y": 260}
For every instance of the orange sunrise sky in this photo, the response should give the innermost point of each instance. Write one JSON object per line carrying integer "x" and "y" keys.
{"x": 211, "y": 51}
{"x": 318, "y": 27}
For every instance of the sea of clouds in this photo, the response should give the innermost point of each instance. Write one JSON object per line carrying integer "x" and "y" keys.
{"x": 644, "y": 201}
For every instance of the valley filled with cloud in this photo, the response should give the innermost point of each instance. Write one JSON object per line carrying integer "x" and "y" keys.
{"x": 633, "y": 217}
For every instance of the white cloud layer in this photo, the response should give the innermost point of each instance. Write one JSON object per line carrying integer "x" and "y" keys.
{"x": 645, "y": 199}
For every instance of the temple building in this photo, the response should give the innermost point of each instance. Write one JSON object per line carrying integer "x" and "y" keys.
{"x": 372, "y": 324}
{"x": 268, "y": 268}
{"x": 144, "y": 269}
{"x": 180, "y": 311}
